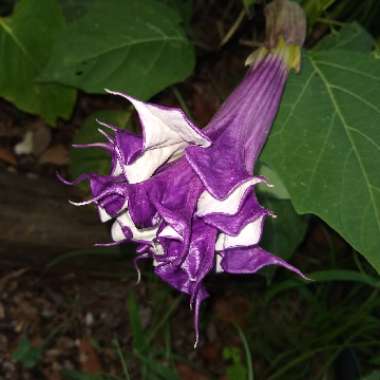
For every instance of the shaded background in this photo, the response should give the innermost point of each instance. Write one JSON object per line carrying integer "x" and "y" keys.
{"x": 71, "y": 311}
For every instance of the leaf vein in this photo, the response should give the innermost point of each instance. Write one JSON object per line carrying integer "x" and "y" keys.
{"x": 356, "y": 96}
{"x": 323, "y": 148}
{"x": 352, "y": 141}
{"x": 345, "y": 68}
{"x": 295, "y": 104}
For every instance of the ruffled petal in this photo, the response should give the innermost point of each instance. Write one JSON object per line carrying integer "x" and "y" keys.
{"x": 232, "y": 224}
{"x": 166, "y": 133}
{"x": 123, "y": 228}
{"x": 249, "y": 235}
{"x": 111, "y": 193}
{"x": 208, "y": 204}
{"x": 250, "y": 260}
{"x": 189, "y": 275}
{"x": 221, "y": 166}
{"x": 128, "y": 147}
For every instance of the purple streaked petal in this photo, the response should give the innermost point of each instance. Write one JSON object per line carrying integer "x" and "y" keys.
{"x": 207, "y": 204}
{"x": 166, "y": 133}
{"x": 220, "y": 167}
{"x": 112, "y": 196}
{"x": 232, "y": 224}
{"x": 128, "y": 145}
{"x": 249, "y": 235}
{"x": 123, "y": 228}
{"x": 105, "y": 146}
{"x": 250, "y": 260}
{"x": 174, "y": 193}
{"x": 185, "y": 195}
{"x": 188, "y": 276}
{"x": 164, "y": 126}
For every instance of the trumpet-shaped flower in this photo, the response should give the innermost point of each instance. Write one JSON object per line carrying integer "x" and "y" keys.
{"x": 186, "y": 195}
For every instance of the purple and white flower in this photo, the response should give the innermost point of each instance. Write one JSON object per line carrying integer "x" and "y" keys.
{"x": 185, "y": 195}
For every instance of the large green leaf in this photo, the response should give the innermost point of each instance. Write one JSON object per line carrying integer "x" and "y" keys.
{"x": 136, "y": 46}
{"x": 350, "y": 37}
{"x": 325, "y": 144}
{"x": 26, "y": 39}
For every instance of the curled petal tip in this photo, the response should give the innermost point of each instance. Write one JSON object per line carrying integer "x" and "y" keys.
{"x": 273, "y": 215}
{"x": 62, "y": 179}
{"x": 111, "y": 244}
{"x": 73, "y": 203}
{"x": 83, "y": 203}
{"x": 106, "y": 135}
{"x": 105, "y": 125}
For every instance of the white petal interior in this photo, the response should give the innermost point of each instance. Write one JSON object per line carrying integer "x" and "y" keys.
{"x": 207, "y": 204}
{"x": 103, "y": 215}
{"x": 170, "y": 232}
{"x": 125, "y": 220}
{"x": 158, "y": 249}
{"x": 166, "y": 126}
{"x": 117, "y": 170}
{"x": 218, "y": 263}
{"x": 167, "y": 132}
{"x": 249, "y": 235}
{"x": 145, "y": 165}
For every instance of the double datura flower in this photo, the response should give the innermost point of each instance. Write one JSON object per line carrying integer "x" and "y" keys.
{"x": 186, "y": 195}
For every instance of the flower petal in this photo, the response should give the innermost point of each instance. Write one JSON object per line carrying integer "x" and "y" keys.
{"x": 208, "y": 204}
{"x": 115, "y": 197}
{"x": 221, "y": 166}
{"x": 250, "y": 260}
{"x": 170, "y": 233}
{"x": 233, "y": 224}
{"x": 166, "y": 133}
{"x": 124, "y": 223}
{"x": 248, "y": 236}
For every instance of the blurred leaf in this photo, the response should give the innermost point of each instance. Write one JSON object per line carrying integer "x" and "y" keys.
{"x": 26, "y": 354}
{"x": 158, "y": 370}
{"x": 26, "y": 39}
{"x": 235, "y": 370}
{"x": 373, "y": 376}
{"x": 136, "y": 46}
{"x": 351, "y": 37}
{"x": 345, "y": 275}
{"x": 278, "y": 189}
{"x": 248, "y": 3}
{"x": 88, "y": 160}
{"x": 84, "y": 252}
{"x": 139, "y": 340}
{"x": 325, "y": 277}
{"x": 283, "y": 234}
{"x": 315, "y": 9}
{"x": 150, "y": 366}
{"x": 325, "y": 144}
